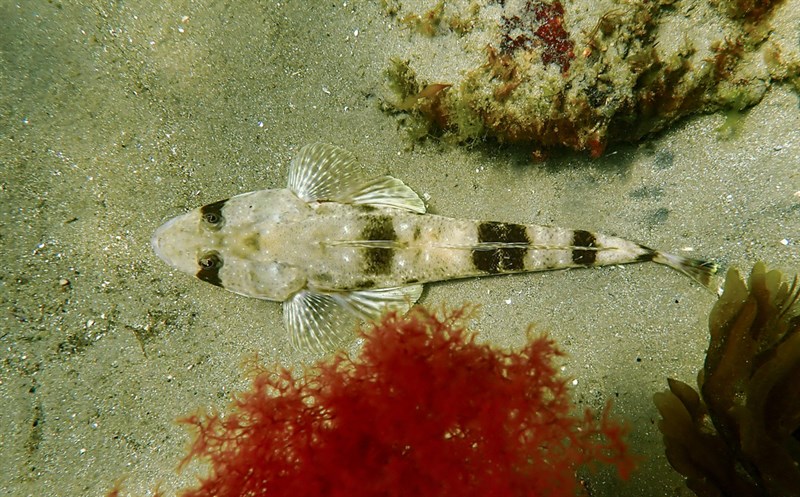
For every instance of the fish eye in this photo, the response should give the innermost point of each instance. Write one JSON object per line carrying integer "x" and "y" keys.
{"x": 211, "y": 215}
{"x": 210, "y": 260}
{"x": 212, "y": 218}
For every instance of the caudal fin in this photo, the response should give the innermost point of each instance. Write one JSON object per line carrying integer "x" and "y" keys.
{"x": 699, "y": 270}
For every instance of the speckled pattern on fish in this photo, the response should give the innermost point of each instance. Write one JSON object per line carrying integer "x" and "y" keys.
{"x": 336, "y": 247}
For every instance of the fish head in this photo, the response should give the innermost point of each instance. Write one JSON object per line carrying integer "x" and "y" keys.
{"x": 228, "y": 244}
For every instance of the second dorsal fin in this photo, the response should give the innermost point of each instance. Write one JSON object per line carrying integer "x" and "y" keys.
{"x": 322, "y": 172}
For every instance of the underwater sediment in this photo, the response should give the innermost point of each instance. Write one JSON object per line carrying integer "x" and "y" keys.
{"x": 582, "y": 75}
{"x": 740, "y": 435}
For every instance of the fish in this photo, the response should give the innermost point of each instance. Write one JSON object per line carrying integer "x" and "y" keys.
{"x": 338, "y": 248}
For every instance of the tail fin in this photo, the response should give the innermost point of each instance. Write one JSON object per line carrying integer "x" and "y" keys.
{"x": 699, "y": 270}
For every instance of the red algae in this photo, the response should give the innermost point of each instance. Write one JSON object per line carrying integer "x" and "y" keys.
{"x": 423, "y": 410}
{"x": 539, "y": 23}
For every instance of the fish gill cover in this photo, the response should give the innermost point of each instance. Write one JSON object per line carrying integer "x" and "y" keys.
{"x": 423, "y": 410}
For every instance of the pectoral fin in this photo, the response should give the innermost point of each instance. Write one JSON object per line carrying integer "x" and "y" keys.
{"x": 323, "y": 321}
{"x": 322, "y": 172}
{"x": 370, "y": 304}
{"x": 317, "y": 321}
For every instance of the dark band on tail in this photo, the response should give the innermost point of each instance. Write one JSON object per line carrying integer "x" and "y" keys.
{"x": 582, "y": 238}
{"x": 647, "y": 256}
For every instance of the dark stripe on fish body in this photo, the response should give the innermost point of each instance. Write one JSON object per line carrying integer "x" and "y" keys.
{"x": 497, "y": 260}
{"x": 378, "y": 228}
{"x": 209, "y": 269}
{"x": 647, "y": 256}
{"x": 583, "y": 239}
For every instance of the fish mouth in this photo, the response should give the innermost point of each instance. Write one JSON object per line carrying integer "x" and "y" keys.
{"x": 156, "y": 239}
{"x": 178, "y": 242}
{"x": 159, "y": 239}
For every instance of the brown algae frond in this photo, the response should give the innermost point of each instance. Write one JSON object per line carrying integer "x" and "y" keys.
{"x": 741, "y": 434}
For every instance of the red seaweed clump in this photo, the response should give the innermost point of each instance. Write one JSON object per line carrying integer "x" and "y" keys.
{"x": 540, "y": 24}
{"x": 740, "y": 435}
{"x": 423, "y": 411}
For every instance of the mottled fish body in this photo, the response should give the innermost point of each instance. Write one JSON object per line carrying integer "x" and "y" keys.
{"x": 336, "y": 248}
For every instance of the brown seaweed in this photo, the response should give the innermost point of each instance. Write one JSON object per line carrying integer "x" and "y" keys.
{"x": 740, "y": 436}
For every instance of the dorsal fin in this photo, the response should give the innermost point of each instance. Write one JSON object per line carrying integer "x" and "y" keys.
{"x": 322, "y": 172}
{"x": 387, "y": 191}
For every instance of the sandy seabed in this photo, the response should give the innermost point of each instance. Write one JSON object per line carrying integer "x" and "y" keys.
{"x": 117, "y": 116}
